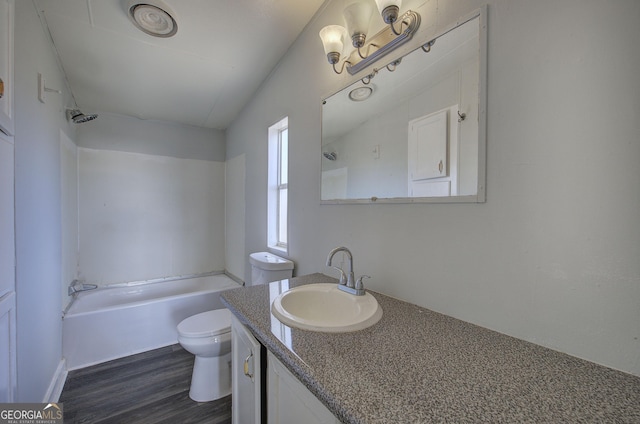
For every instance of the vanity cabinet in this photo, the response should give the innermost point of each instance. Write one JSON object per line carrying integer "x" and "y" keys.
{"x": 6, "y": 66}
{"x": 289, "y": 401}
{"x": 246, "y": 375}
{"x": 284, "y": 398}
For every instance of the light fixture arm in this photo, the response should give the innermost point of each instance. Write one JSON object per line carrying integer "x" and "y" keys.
{"x": 390, "y": 16}
{"x": 367, "y": 52}
{"x": 341, "y": 68}
{"x": 385, "y": 41}
{"x": 333, "y": 58}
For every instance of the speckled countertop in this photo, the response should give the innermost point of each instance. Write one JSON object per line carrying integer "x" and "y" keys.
{"x": 418, "y": 366}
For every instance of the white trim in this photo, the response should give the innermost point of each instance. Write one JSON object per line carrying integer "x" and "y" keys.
{"x": 57, "y": 383}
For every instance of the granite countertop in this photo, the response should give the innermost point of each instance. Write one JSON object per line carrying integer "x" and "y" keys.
{"x": 419, "y": 366}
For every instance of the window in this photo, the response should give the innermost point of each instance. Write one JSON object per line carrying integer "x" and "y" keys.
{"x": 278, "y": 178}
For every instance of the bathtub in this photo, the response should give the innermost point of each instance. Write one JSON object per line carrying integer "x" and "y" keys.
{"x": 113, "y": 322}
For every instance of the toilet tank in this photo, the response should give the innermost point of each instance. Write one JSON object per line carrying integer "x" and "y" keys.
{"x": 267, "y": 267}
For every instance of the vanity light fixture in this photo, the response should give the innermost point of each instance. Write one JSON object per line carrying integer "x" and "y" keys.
{"x": 357, "y": 16}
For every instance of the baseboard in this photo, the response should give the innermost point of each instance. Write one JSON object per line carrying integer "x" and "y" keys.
{"x": 57, "y": 383}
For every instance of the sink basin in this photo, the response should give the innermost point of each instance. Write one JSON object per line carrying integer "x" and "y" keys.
{"x": 323, "y": 307}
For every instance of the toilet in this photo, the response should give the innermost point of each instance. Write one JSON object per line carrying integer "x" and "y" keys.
{"x": 208, "y": 335}
{"x": 267, "y": 267}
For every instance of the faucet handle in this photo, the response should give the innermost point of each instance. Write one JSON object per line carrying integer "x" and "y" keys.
{"x": 360, "y": 283}
{"x": 343, "y": 276}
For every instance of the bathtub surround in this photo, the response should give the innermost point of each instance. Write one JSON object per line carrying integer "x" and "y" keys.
{"x": 69, "y": 214}
{"x": 159, "y": 138}
{"x": 147, "y": 216}
{"x": 552, "y": 256}
{"x": 235, "y": 256}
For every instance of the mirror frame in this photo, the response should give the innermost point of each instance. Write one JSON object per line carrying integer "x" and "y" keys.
{"x": 480, "y": 196}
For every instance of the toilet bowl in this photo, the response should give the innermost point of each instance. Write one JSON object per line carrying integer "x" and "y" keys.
{"x": 208, "y": 336}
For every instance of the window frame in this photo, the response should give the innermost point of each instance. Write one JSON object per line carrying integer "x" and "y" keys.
{"x": 277, "y": 213}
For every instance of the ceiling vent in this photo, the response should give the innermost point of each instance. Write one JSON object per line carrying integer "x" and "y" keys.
{"x": 152, "y": 17}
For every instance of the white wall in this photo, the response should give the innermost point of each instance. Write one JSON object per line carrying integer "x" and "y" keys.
{"x": 38, "y": 206}
{"x": 145, "y": 216}
{"x": 552, "y": 256}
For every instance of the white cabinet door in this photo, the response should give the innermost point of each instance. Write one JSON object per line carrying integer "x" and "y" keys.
{"x": 6, "y": 66}
{"x": 433, "y": 155}
{"x": 289, "y": 401}
{"x": 428, "y": 146}
{"x": 245, "y": 376}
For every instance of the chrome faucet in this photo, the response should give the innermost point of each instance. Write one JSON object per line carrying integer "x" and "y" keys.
{"x": 348, "y": 282}
{"x": 78, "y": 286}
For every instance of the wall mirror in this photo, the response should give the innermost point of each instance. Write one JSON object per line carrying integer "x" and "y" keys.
{"x": 414, "y": 134}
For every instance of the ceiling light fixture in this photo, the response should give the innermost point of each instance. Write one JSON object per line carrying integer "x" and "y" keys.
{"x": 360, "y": 94}
{"x": 357, "y": 16}
{"x": 153, "y": 17}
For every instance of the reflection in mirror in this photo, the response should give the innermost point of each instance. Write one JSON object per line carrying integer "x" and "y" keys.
{"x": 411, "y": 134}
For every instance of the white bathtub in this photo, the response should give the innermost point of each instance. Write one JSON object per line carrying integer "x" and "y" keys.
{"x": 110, "y": 323}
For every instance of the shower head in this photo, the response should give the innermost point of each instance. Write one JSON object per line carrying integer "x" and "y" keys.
{"x": 330, "y": 155}
{"x": 78, "y": 117}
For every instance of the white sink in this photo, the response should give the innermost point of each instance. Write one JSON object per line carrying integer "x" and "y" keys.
{"x": 323, "y": 307}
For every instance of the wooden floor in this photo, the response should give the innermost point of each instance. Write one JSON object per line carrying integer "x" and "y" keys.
{"x": 151, "y": 387}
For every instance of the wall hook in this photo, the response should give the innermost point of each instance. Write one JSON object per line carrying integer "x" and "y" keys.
{"x": 461, "y": 116}
{"x": 42, "y": 88}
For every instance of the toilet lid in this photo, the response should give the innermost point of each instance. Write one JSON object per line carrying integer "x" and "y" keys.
{"x": 208, "y": 323}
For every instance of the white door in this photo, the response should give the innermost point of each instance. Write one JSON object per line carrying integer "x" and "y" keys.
{"x": 6, "y": 66}
{"x": 245, "y": 376}
{"x": 7, "y": 274}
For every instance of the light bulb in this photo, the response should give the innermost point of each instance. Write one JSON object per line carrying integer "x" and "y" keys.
{"x": 357, "y": 16}
{"x": 332, "y": 37}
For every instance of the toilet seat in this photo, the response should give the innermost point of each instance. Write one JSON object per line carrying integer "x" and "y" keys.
{"x": 210, "y": 323}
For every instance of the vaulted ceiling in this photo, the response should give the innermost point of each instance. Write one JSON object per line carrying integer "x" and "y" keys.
{"x": 202, "y": 76}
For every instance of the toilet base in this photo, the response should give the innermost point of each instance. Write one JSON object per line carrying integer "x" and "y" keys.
{"x": 211, "y": 378}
